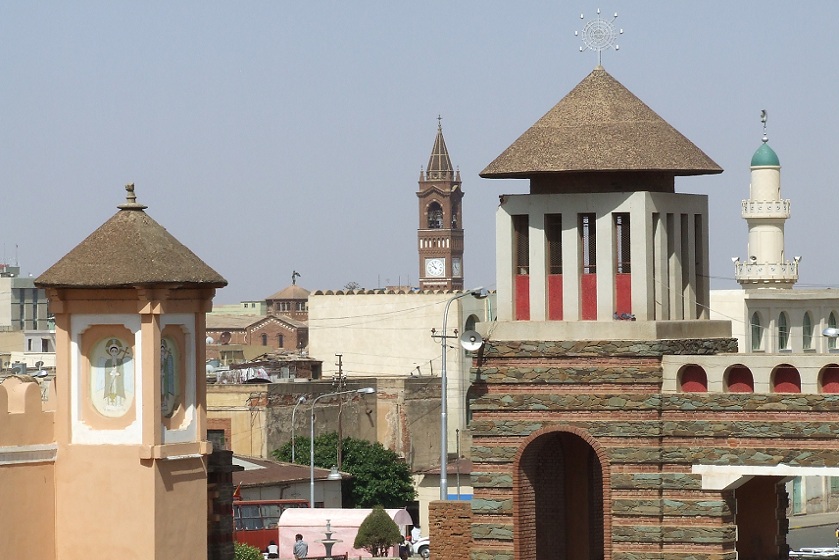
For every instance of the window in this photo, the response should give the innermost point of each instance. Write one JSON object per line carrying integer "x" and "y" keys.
{"x": 783, "y": 332}
{"x": 553, "y": 237}
{"x": 280, "y": 341}
{"x": 264, "y": 339}
{"x": 757, "y": 332}
{"x": 216, "y": 437}
{"x": 435, "y": 216}
{"x": 45, "y": 345}
{"x": 588, "y": 244}
{"x": 807, "y": 332}
{"x": 831, "y": 340}
{"x": 522, "y": 244}
{"x": 622, "y": 253}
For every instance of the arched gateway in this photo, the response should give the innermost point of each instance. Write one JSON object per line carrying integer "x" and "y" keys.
{"x": 558, "y": 501}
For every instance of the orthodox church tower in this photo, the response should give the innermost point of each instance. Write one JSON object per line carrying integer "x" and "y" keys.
{"x": 766, "y": 212}
{"x": 440, "y": 232}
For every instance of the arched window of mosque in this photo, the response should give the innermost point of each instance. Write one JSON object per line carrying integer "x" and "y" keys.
{"x": 757, "y": 332}
{"x": 831, "y": 322}
{"x": 692, "y": 379}
{"x": 807, "y": 331}
{"x": 264, "y": 339}
{"x": 829, "y": 379}
{"x": 739, "y": 379}
{"x": 435, "y": 216}
{"x": 783, "y": 332}
{"x": 786, "y": 379}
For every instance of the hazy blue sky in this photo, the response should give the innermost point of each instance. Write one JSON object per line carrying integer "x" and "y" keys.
{"x": 278, "y": 136}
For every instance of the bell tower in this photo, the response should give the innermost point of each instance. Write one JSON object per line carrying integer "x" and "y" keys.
{"x": 440, "y": 232}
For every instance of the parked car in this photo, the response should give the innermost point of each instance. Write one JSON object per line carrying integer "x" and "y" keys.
{"x": 420, "y": 546}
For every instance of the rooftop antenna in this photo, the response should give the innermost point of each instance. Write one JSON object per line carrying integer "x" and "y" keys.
{"x": 599, "y": 35}
{"x": 763, "y": 117}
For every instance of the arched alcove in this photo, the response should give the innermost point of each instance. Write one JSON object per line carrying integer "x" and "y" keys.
{"x": 559, "y": 497}
{"x": 739, "y": 379}
{"x": 693, "y": 379}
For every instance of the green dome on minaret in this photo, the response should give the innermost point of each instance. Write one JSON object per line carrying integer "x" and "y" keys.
{"x": 765, "y": 156}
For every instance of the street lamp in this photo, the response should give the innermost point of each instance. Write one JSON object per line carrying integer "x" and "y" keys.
{"x": 300, "y": 400}
{"x": 362, "y": 391}
{"x": 444, "y": 446}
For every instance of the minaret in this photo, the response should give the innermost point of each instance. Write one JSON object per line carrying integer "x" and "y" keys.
{"x": 765, "y": 212}
{"x": 440, "y": 232}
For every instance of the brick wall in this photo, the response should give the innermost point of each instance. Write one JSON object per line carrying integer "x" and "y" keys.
{"x": 450, "y": 531}
{"x": 538, "y": 397}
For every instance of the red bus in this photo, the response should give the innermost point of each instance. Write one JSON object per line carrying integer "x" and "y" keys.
{"x": 255, "y": 521}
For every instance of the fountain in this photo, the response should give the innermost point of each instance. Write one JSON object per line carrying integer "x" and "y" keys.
{"x": 328, "y": 542}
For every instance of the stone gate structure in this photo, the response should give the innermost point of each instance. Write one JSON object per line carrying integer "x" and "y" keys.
{"x": 596, "y": 430}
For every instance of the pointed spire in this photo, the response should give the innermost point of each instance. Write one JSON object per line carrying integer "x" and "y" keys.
{"x": 439, "y": 164}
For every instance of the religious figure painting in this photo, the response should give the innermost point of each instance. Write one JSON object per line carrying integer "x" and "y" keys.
{"x": 169, "y": 376}
{"x": 112, "y": 377}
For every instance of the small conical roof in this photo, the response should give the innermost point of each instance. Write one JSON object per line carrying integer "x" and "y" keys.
{"x": 439, "y": 164}
{"x": 600, "y": 126}
{"x": 130, "y": 249}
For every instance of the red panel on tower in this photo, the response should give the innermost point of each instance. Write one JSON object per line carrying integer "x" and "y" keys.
{"x": 588, "y": 297}
{"x": 522, "y": 297}
{"x": 555, "y": 297}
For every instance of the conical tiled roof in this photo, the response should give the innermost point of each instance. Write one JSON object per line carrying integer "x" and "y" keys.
{"x": 130, "y": 249}
{"x": 439, "y": 164}
{"x": 600, "y": 126}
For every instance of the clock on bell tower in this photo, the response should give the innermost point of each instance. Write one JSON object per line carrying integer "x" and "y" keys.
{"x": 440, "y": 232}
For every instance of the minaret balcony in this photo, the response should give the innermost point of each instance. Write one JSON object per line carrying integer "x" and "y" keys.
{"x": 766, "y": 273}
{"x": 765, "y": 209}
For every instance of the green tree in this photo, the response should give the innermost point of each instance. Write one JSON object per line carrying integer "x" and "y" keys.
{"x": 377, "y": 533}
{"x": 243, "y": 551}
{"x": 380, "y": 477}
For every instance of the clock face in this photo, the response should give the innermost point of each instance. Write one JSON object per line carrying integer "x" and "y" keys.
{"x": 457, "y": 269}
{"x": 435, "y": 267}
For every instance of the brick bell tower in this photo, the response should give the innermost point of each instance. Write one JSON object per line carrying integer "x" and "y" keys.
{"x": 440, "y": 232}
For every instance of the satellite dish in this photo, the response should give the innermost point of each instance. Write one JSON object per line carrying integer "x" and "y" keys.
{"x": 471, "y": 341}
{"x": 210, "y": 340}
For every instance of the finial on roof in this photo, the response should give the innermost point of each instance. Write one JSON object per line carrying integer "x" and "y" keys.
{"x": 763, "y": 117}
{"x": 599, "y": 35}
{"x": 131, "y": 199}
{"x": 439, "y": 122}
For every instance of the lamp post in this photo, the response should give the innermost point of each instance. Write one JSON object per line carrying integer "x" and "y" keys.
{"x": 300, "y": 400}
{"x": 444, "y": 447}
{"x": 362, "y": 391}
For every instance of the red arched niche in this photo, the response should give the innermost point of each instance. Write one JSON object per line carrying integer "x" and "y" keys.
{"x": 786, "y": 379}
{"x": 693, "y": 379}
{"x": 829, "y": 379}
{"x": 738, "y": 379}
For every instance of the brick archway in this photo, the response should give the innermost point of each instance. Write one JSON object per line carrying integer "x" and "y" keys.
{"x": 561, "y": 497}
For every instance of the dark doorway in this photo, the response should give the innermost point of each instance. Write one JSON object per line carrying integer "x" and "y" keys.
{"x": 560, "y": 500}
{"x": 760, "y": 517}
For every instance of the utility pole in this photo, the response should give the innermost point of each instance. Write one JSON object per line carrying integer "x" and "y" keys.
{"x": 339, "y": 383}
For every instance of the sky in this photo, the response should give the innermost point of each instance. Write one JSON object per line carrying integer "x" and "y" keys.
{"x": 270, "y": 137}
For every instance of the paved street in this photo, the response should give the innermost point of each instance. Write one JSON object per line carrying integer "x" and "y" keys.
{"x": 815, "y": 530}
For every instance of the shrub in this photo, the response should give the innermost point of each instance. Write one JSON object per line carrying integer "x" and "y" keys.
{"x": 246, "y": 552}
{"x": 377, "y": 533}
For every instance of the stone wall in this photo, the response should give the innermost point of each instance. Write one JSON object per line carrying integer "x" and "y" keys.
{"x": 608, "y": 394}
